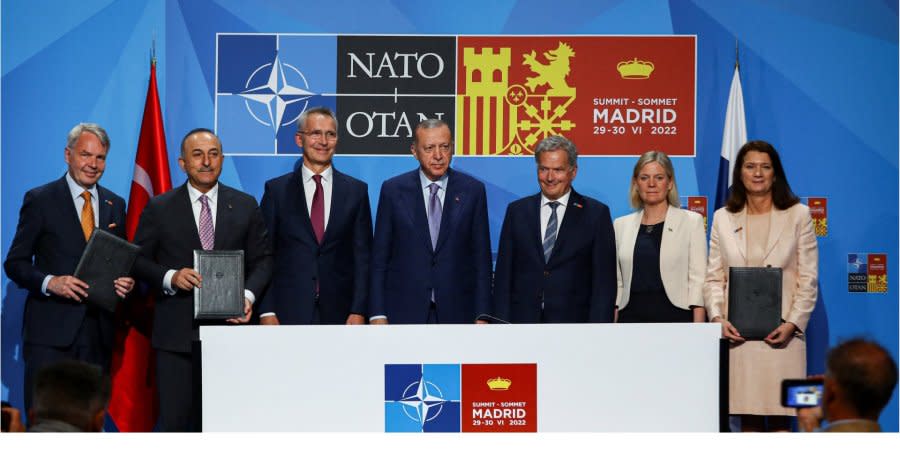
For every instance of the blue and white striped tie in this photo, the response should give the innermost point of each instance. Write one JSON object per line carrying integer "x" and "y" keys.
{"x": 550, "y": 235}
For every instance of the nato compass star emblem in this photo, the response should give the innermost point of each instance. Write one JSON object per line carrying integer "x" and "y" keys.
{"x": 272, "y": 89}
{"x": 422, "y": 401}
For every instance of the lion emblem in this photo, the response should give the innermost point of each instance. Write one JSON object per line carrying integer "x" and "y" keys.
{"x": 553, "y": 73}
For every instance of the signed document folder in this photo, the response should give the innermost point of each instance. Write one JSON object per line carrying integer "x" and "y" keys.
{"x": 105, "y": 258}
{"x": 222, "y": 293}
{"x": 754, "y": 300}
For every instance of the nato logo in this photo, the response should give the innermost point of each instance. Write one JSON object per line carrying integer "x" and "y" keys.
{"x": 264, "y": 82}
{"x": 857, "y": 263}
{"x": 422, "y": 398}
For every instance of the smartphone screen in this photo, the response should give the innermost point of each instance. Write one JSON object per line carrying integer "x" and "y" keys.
{"x": 801, "y": 393}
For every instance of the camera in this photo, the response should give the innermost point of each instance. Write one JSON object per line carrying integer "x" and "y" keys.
{"x": 801, "y": 393}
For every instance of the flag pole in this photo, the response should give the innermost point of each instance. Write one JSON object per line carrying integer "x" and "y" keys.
{"x": 134, "y": 404}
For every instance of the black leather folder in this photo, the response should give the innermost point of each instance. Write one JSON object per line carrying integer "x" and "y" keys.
{"x": 754, "y": 300}
{"x": 222, "y": 293}
{"x": 105, "y": 258}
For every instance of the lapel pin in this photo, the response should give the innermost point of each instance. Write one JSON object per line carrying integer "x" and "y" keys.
{"x": 109, "y": 202}
{"x": 112, "y": 225}
{"x": 456, "y": 199}
{"x": 229, "y": 206}
{"x": 577, "y": 205}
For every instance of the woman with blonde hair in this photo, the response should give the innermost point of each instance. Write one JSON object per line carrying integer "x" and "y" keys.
{"x": 661, "y": 250}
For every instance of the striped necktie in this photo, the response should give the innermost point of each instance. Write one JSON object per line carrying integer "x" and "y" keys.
{"x": 550, "y": 235}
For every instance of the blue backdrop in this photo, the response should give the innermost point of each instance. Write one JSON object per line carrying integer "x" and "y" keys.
{"x": 819, "y": 78}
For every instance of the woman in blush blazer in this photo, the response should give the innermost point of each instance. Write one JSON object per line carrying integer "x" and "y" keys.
{"x": 661, "y": 250}
{"x": 763, "y": 225}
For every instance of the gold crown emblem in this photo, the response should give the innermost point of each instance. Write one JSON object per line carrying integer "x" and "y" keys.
{"x": 499, "y": 384}
{"x": 634, "y": 69}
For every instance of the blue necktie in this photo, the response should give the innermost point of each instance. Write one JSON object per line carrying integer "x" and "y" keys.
{"x": 550, "y": 235}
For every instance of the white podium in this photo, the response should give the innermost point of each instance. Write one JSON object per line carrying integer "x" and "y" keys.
{"x": 590, "y": 377}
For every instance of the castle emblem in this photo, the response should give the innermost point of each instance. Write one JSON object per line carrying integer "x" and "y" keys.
{"x": 507, "y": 109}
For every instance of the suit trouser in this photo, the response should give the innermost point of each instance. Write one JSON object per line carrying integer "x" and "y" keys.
{"x": 174, "y": 378}
{"x": 88, "y": 347}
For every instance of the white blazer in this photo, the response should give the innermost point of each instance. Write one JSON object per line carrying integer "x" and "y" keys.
{"x": 682, "y": 256}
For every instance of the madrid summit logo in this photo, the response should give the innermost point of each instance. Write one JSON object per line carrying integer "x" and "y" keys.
{"x": 452, "y": 398}
{"x": 612, "y": 95}
{"x": 867, "y": 272}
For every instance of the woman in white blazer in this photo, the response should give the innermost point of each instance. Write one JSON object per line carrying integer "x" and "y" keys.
{"x": 661, "y": 250}
{"x": 763, "y": 225}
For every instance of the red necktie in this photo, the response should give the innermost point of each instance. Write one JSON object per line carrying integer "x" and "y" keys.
{"x": 317, "y": 211}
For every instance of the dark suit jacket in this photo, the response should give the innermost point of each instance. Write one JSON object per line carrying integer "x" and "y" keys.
{"x": 404, "y": 266}
{"x": 168, "y": 237}
{"x": 49, "y": 241}
{"x": 578, "y": 284}
{"x": 340, "y": 264}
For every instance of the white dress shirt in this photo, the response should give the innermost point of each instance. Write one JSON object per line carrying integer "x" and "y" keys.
{"x": 309, "y": 188}
{"x": 560, "y": 212}
{"x": 213, "y": 196}
{"x": 426, "y": 192}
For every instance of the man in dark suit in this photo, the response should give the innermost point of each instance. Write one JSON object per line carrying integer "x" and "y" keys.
{"x": 431, "y": 255}
{"x": 55, "y": 222}
{"x": 201, "y": 214}
{"x": 320, "y": 226}
{"x": 557, "y": 256}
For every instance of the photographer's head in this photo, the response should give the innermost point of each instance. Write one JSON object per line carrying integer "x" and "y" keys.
{"x": 72, "y": 392}
{"x": 859, "y": 380}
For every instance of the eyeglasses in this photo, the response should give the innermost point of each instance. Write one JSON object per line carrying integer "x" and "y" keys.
{"x": 443, "y": 148}
{"x": 319, "y": 134}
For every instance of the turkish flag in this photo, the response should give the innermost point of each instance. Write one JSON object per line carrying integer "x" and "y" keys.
{"x": 134, "y": 404}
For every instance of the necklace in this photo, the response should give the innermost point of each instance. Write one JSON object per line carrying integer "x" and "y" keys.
{"x": 649, "y": 228}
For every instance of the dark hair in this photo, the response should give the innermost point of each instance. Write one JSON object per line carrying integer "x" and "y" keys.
{"x": 782, "y": 195}
{"x": 195, "y": 131}
{"x": 72, "y": 392}
{"x": 865, "y": 372}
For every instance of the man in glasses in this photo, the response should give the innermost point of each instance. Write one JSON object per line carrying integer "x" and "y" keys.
{"x": 431, "y": 257}
{"x": 320, "y": 225}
